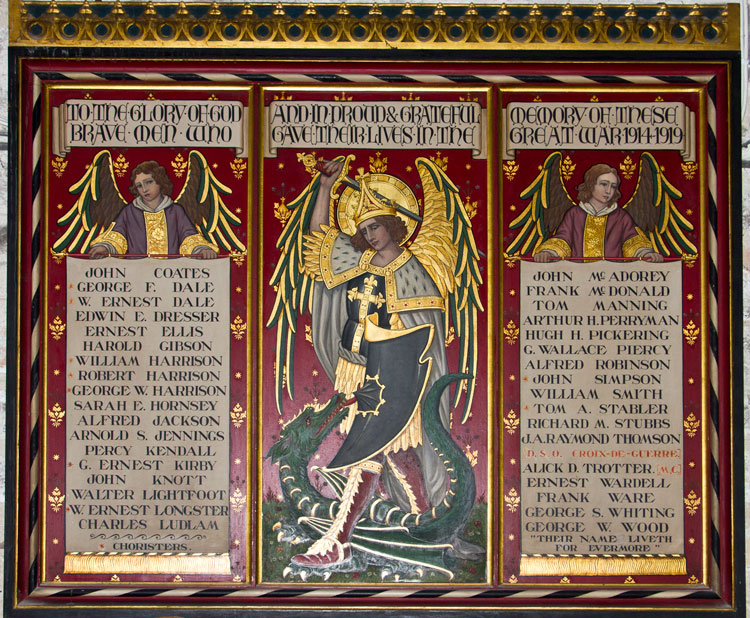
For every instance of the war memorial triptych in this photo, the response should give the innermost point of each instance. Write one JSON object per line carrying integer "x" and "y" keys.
{"x": 295, "y": 334}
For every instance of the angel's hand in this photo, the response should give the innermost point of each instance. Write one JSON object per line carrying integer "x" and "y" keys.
{"x": 98, "y": 252}
{"x": 330, "y": 172}
{"x": 544, "y": 256}
{"x": 654, "y": 257}
{"x": 206, "y": 253}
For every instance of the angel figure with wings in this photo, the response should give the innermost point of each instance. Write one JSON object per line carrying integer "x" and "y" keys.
{"x": 648, "y": 227}
{"x": 372, "y": 285}
{"x": 102, "y": 222}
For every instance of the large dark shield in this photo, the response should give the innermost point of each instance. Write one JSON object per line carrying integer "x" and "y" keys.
{"x": 395, "y": 381}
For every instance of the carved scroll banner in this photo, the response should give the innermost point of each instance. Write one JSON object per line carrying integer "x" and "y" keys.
{"x": 601, "y": 427}
{"x": 147, "y": 412}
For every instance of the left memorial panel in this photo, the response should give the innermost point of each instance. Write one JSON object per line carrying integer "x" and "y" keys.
{"x": 144, "y": 353}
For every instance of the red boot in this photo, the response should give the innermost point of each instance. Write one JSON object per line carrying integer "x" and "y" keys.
{"x": 333, "y": 547}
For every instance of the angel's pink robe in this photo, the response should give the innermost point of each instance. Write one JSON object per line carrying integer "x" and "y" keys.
{"x": 130, "y": 224}
{"x": 608, "y": 236}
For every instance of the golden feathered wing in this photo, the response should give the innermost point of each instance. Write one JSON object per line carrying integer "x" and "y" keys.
{"x": 445, "y": 246}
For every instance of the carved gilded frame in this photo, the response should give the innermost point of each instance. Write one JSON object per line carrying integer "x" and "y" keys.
{"x": 680, "y": 51}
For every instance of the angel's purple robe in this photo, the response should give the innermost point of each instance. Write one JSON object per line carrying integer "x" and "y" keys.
{"x": 131, "y": 223}
{"x": 618, "y": 231}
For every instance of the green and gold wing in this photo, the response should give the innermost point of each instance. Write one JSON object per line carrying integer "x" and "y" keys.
{"x": 98, "y": 204}
{"x": 293, "y": 286}
{"x": 549, "y": 201}
{"x": 202, "y": 198}
{"x": 445, "y": 246}
{"x": 653, "y": 210}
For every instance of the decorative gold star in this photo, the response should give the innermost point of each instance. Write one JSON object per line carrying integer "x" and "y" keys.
{"x": 511, "y": 537}
{"x": 59, "y": 207}
{"x": 56, "y": 457}
{"x": 689, "y": 212}
{"x": 238, "y": 375}
{"x": 689, "y": 297}
{"x": 468, "y": 166}
{"x": 56, "y": 372}
{"x": 57, "y": 287}
{"x": 238, "y": 289}
{"x": 315, "y": 372}
{"x": 512, "y": 461}
{"x": 317, "y": 455}
{"x": 691, "y": 464}
{"x": 215, "y": 165}
{"x": 236, "y": 542}
{"x": 512, "y": 208}
{"x": 512, "y": 377}
{"x": 408, "y": 168}
{"x": 281, "y": 166}
{"x": 512, "y": 292}
{"x": 691, "y": 540}
{"x": 237, "y": 461}
{"x": 691, "y": 381}
{"x": 238, "y": 210}
{"x": 55, "y": 541}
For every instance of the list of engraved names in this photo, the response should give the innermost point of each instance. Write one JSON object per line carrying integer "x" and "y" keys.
{"x": 601, "y": 408}
{"x": 147, "y": 428}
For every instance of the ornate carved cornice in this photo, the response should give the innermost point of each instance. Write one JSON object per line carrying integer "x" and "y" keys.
{"x": 356, "y": 26}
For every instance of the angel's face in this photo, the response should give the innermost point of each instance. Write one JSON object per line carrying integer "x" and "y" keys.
{"x": 376, "y": 234}
{"x": 148, "y": 189}
{"x": 604, "y": 189}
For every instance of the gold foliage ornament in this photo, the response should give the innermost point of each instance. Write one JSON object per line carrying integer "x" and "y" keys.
{"x": 120, "y": 165}
{"x": 237, "y": 500}
{"x": 691, "y": 332}
{"x": 567, "y": 168}
{"x": 510, "y": 168}
{"x": 691, "y": 425}
{"x": 238, "y": 167}
{"x": 627, "y": 167}
{"x": 692, "y": 502}
{"x": 281, "y": 212}
{"x": 56, "y": 415}
{"x": 689, "y": 169}
{"x": 238, "y": 415}
{"x": 511, "y": 422}
{"x": 58, "y": 166}
{"x": 238, "y": 328}
{"x": 179, "y": 165}
{"x": 512, "y": 500}
{"x": 56, "y": 499}
{"x": 57, "y": 328}
{"x": 511, "y": 332}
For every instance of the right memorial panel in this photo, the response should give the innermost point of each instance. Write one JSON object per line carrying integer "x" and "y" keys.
{"x": 605, "y": 322}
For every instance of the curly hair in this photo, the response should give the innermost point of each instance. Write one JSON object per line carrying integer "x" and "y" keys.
{"x": 395, "y": 226}
{"x": 586, "y": 188}
{"x": 157, "y": 172}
